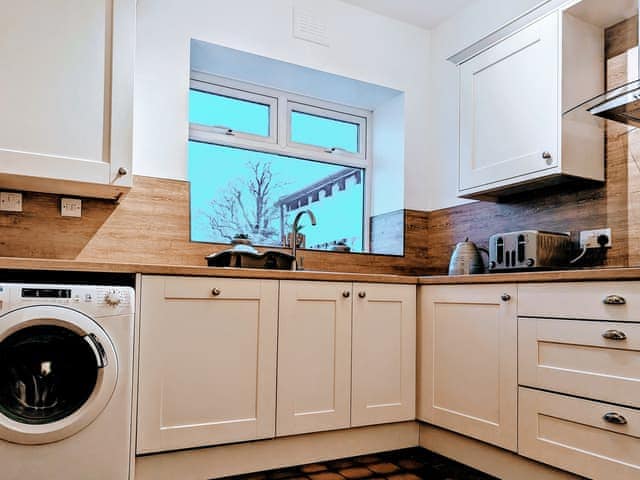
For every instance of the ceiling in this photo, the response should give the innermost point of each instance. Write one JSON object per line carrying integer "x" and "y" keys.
{"x": 422, "y": 13}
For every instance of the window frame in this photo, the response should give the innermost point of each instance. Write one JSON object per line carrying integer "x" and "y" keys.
{"x": 236, "y": 94}
{"x": 330, "y": 114}
{"x": 279, "y": 142}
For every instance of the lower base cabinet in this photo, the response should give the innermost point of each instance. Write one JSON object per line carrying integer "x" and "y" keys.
{"x": 383, "y": 384}
{"x": 314, "y": 357}
{"x": 574, "y": 434}
{"x": 346, "y": 355}
{"x": 207, "y": 362}
{"x": 210, "y": 348}
{"x": 467, "y": 360}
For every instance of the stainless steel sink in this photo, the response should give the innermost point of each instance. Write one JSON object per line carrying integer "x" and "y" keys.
{"x": 270, "y": 259}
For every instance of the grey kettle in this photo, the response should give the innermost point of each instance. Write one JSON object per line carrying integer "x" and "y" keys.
{"x": 466, "y": 259}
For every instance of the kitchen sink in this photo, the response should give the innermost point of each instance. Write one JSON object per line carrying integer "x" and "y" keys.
{"x": 270, "y": 259}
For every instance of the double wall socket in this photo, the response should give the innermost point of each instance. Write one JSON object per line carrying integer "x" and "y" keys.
{"x": 70, "y": 207}
{"x": 10, "y": 202}
{"x": 589, "y": 238}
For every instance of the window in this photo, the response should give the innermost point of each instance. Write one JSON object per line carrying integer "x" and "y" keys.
{"x": 218, "y": 110}
{"x": 326, "y": 130}
{"x": 253, "y": 169}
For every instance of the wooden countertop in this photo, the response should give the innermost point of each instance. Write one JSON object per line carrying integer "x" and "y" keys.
{"x": 594, "y": 274}
{"x": 578, "y": 275}
{"x": 12, "y": 263}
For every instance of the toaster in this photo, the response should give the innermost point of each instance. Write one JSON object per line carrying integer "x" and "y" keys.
{"x": 529, "y": 250}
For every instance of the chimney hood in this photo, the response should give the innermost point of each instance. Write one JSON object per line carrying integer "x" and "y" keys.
{"x": 621, "y": 104}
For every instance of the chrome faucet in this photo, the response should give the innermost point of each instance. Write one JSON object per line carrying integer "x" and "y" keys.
{"x": 294, "y": 235}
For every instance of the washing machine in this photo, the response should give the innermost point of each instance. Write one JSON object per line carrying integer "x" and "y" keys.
{"x": 66, "y": 373}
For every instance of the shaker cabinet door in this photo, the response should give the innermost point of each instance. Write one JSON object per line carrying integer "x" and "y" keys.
{"x": 314, "y": 357}
{"x": 66, "y": 92}
{"x": 207, "y": 362}
{"x": 467, "y": 360}
{"x": 509, "y": 108}
{"x": 384, "y": 354}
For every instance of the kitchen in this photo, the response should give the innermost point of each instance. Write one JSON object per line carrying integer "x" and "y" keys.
{"x": 110, "y": 206}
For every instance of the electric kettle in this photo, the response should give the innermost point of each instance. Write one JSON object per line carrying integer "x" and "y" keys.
{"x": 466, "y": 259}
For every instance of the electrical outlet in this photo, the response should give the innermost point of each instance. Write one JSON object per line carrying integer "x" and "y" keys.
{"x": 10, "y": 202}
{"x": 589, "y": 238}
{"x": 70, "y": 207}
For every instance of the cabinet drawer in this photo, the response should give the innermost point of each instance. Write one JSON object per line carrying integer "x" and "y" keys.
{"x": 586, "y": 300}
{"x": 572, "y": 434}
{"x": 575, "y": 357}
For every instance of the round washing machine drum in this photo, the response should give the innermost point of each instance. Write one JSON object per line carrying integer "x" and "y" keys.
{"x": 58, "y": 370}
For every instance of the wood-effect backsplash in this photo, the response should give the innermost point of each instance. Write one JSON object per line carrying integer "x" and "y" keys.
{"x": 151, "y": 225}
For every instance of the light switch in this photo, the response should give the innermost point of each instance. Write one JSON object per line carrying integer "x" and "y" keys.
{"x": 10, "y": 202}
{"x": 70, "y": 207}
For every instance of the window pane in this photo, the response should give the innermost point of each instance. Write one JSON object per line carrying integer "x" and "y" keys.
{"x": 239, "y": 115}
{"x": 241, "y": 191}
{"x": 324, "y": 132}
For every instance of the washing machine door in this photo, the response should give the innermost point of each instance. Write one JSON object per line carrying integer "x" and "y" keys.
{"x": 58, "y": 370}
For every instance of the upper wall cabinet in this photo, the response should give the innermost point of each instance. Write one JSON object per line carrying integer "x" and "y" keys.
{"x": 513, "y": 134}
{"x": 66, "y": 92}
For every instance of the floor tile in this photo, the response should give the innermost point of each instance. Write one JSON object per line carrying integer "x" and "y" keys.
{"x": 407, "y": 464}
{"x": 355, "y": 473}
{"x": 383, "y": 468}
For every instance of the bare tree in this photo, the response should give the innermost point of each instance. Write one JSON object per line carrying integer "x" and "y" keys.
{"x": 247, "y": 205}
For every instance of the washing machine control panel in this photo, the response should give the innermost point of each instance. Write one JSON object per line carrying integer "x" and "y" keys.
{"x": 92, "y": 300}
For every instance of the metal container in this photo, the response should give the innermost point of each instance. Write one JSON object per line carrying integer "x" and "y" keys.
{"x": 466, "y": 259}
{"x": 529, "y": 250}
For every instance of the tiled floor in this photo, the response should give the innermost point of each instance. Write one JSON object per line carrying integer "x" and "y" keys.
{"x": 410, "y": 464}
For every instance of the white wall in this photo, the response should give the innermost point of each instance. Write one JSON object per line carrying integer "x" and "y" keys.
{"x": 363, "y": 46}
{"x": 460, "y": 31}
{"x": 388, "y": 148}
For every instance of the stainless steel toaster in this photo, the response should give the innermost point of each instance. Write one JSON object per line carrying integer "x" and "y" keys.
{"x": 529, "y": 249}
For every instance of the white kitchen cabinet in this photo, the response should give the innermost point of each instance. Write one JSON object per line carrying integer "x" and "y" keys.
{"x": 384, "y": 354}
{"x": 574, "y": 434}
{"x": 314, "y": 357}
{"x": 207, "y": 362}
{"x": 578, "y": 371}
{"x": 513, "y": 135}
{"x": 467, "y": 360}
{"x": 591, "y": 359}
{"x": 66, "y": 92}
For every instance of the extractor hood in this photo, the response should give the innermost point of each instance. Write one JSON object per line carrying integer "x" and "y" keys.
{"x": 621, "y": 104}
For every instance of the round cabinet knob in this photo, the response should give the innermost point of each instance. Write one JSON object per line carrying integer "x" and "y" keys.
{"x": 530, "y": 262}
{"x": 492, "y": 264}
{"x": 362, "y": 294}
{"x": 112, "y": 298}
{"x": 548, "y": 157}
{"x": 215, "y": 292}
{"x": 346, "y": 294}
{"x": 505, "y": 297}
